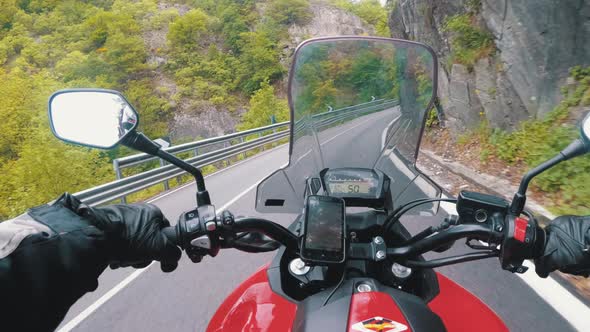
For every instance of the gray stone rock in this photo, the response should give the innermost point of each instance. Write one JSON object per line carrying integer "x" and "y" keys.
{"x": 423, "y": 20}
{"x": 464, "y": 108}
{"x": 539, "y": 40}
{"x": 328, "y": 21}
{"x": 502, "y": 107}
{"x": 202, "y": 121}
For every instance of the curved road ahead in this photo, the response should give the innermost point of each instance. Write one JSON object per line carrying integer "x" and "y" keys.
{"x": 149, "y": 300}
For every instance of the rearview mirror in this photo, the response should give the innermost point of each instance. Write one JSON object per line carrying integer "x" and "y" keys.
{"x": 91, "y": 117}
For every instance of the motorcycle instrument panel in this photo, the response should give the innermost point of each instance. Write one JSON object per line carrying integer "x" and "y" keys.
{"x": 354, "y": 183}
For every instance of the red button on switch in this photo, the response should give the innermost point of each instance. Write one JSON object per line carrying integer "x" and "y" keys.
{"x": 520, "y": 225}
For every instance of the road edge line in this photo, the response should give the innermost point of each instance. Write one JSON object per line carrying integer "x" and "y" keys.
{"x": 174, "y": 190}
{"x": 113, "y": 291}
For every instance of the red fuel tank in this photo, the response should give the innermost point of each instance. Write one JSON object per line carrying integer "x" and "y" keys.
{"x": 253, "y": 306}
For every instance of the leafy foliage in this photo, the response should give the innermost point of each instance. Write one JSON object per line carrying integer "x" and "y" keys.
{"x": 221, "y": 52}
{"x": 264, "y": 105}
{"x": 289, "y": 11}
{"x": 186, "y": 31}
{"x": 341, "y": 74}
{"x": 539, "y": 140}
{"x": 468, "y": 42}
{"x": 370, "y": 11}
{"x": 155, "y": 110}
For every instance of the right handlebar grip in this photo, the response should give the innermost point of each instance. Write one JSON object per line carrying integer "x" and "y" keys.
{"x": 171, "y": 234}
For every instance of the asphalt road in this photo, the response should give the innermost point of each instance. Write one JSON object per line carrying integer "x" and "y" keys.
{"x": 186, "y": 299}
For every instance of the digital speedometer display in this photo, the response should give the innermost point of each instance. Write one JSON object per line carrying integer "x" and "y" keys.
{"x": 353, "y": 182}
{"x": 350, "y": 187}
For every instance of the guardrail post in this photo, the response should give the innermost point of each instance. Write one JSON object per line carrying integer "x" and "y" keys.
{"x": 166, "y": 183}
{"x": 119, "y": 176}
{"x": 273, "y": 144}
{"x": 242, "y": 141}
{"x": 227, "y": 144}
{"x": 262, "y": 146}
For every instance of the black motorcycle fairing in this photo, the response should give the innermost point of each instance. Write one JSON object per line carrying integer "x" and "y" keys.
{"x": 313, "y": 316}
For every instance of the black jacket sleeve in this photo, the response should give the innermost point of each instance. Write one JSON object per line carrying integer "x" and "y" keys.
{"x": 57, "y": 262}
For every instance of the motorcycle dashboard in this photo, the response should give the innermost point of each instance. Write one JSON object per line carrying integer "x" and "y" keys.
{"x": 355, "y": 183}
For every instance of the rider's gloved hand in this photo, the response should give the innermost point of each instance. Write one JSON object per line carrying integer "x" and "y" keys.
{"x": 567, "y": 247}
{"x": 134, "y": 234}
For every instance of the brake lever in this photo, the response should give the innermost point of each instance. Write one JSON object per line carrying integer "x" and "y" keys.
{"x": 476, "y": 246}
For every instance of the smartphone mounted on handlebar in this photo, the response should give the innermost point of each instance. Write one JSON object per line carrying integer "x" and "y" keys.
{"x": 324, "y": 225}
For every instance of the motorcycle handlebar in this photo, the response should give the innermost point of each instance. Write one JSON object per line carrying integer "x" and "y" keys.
{"x": 268, "y": 228}
{"x": 414, "y": 248}
{"x": 451, "y": 234}
{"x": 171, "y": 234}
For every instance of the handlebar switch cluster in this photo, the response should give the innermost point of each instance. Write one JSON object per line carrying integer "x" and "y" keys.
{"x": 189, "y": 227}
{"x": 196, "y": 230}
{"x": 523, "y": 239}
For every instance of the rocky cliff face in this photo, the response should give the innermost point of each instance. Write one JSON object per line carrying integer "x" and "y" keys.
{"x": 328, "y": 21}
{"x": 537, "y": 41}
{"x": 203, "y": 119}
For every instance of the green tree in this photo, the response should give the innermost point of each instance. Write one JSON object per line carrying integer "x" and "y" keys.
{"x": 370, "y": 11}
{"x": 260, "y": 61}
{"x": 7, "y": 13}
{"x": 45, "y": 168}
{"x": 155, "y": 111}
{"x": 289, "y": 11}
{"x": 23, "y": 99}
{"x": 263, "y": 105}
{"x": 235, "y": 20}
{"x": 186, "y": 31}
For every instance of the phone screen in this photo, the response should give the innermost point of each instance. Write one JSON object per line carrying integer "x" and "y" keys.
{"x": 324, "y": 229}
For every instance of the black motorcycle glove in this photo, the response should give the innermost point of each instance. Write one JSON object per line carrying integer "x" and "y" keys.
{"x": 133, "y": 232}
{"x": 567, "y": 247}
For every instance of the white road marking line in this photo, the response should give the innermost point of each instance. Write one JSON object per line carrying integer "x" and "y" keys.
{"x": 113, "y": 291}
{"x": 344, "y": 132}
{"x": 566, "y": 304}
{"x": 170, "y": 192}
{"x": 331, "y": 139}
{"x": 84, "y": 314}
{"x": 384, "y": 134}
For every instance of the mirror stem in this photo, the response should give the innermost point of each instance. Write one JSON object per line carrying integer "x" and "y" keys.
{"x": 576, "y": 148}
{"x": 519, "y": 199}
{"x": 139, "y": 141}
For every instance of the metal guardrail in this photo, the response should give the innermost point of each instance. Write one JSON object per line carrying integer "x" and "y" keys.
{"x": 144, "y": 157}
{"x": 124, "y": 186}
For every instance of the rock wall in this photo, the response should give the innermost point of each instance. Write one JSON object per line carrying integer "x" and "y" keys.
{"x": 537, "y": 41}
{"x": 328, "y": 21}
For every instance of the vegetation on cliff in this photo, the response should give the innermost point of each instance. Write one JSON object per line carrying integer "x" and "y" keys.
{"x": 165, "y": 56}
{"x": 539, "y": 140}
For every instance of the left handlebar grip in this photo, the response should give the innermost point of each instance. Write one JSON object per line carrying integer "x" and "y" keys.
{"x": 171, "y": 234}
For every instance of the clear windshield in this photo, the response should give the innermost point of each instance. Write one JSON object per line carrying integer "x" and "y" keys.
{"x": 355, "y": 102}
